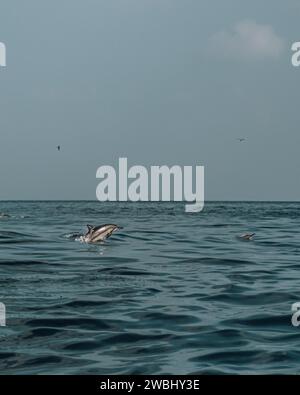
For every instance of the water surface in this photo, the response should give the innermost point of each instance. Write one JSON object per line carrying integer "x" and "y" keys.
{"x": 171, "y": 293}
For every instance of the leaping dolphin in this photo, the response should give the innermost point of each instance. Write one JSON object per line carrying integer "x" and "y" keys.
{"x": 99, "y": 233}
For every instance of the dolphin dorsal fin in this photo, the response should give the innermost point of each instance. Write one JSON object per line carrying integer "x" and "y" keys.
{"x": 90, "y": 227}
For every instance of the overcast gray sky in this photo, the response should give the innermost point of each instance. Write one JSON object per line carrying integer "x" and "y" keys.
{"x": 158, "y": 81}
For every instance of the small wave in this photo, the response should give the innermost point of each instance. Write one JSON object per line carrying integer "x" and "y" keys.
{"x": 4, "y": 216}
{"x": 262, "y": 321}
{"x": 21, "y": 262}
{"x": 71, "y": 236}
{"x": 9, "y": 237}
{"x": 87, "y": 323}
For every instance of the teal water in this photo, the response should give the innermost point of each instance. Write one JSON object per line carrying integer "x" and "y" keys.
{"x": 171, "y": 293}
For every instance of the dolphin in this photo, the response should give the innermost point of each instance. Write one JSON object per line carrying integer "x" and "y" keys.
{"x": 3, "y": 215}
{"x": 99, "y": 233}
{"x": 247, "y": 236}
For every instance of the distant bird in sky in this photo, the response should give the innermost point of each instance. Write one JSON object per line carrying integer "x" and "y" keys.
{"x": 241, "y": 139}
{"x": 58, "y": 148}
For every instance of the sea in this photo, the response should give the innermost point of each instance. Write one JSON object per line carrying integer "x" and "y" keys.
{"x": 170, "y": 293}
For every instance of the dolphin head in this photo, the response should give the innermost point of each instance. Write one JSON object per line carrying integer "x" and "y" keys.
{"x": 99, "y": 233}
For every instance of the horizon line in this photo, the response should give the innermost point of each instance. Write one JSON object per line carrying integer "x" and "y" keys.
{"x": 150, "y": 201}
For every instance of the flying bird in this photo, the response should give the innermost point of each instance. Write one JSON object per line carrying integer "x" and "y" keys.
{"x": 58, "y": 148}
{"x": 241, "y": 139}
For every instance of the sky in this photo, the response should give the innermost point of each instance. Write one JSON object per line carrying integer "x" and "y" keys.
{"x": 161, "y": 82}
